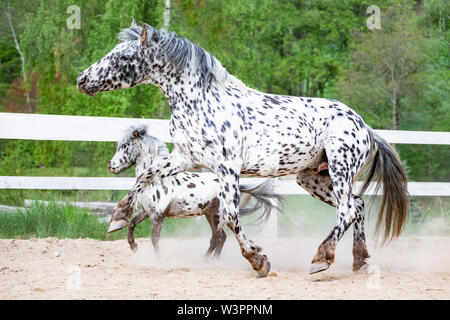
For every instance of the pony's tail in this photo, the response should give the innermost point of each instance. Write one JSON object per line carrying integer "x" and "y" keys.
{"x": 264, "y": 196}
{"x": 387, "y": 171}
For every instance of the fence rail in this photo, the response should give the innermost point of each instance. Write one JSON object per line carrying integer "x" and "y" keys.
{"x": 282, "y": 186}
{"x": 83, "y": 128}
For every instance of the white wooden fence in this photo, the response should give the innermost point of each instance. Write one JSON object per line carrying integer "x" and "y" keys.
{"x": 83, "y": 128}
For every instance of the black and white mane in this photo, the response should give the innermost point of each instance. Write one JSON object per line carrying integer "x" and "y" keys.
{"x": 180, "y": 52}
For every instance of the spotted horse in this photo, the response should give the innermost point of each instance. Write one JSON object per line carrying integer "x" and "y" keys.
{"x": 187, "y": 194}
{"x": 221, "y": 124}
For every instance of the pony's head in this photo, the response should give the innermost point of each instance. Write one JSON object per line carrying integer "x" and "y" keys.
{"x": 136, "y": 146}
{"x": 147, "y": 55}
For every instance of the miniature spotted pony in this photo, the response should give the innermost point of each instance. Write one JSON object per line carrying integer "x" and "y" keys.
{"x": 221, "y": 124}
{"x": 184, "y": 195}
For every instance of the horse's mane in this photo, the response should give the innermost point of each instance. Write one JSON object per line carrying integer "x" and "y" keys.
{"x": 180, "y": 51}
{"x": 156, "y": 146}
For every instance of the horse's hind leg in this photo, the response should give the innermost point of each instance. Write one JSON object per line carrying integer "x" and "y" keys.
{"x": 360, "y": 253}
{"x": 321, "y": 187}
{"x": 142, "y": 215}
{"x": 344, "y": 162}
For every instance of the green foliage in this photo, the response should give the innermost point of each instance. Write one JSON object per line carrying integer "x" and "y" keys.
{"x": 295, "y": 47}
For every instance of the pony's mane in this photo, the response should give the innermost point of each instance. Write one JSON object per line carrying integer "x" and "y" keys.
{"x": 180, "y": 51}
{"x": 156, "y": 146}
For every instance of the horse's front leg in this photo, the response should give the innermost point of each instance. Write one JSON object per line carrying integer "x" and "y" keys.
{"x": 175, "y": 163}
{"x": 229, "y": 210}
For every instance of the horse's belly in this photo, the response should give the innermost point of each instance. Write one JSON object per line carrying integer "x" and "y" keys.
{"x": 278, "y": 153}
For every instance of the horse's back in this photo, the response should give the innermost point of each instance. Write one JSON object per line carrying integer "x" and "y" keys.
{"x": 286, "y": 134}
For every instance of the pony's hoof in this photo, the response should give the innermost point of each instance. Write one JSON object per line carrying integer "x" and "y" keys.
{"x": 363, "y": 269}
{"x": 133, "y": 246}
{"x": 116, "y": 225}
{"x": 265, "y": 268}
{"x": 318, "y": 267}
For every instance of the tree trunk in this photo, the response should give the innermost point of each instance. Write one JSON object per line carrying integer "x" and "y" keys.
{"x": 22, "y": 59}
{"x": 166, "y": 22}
{"x": 394, "y": 101}
{"x": 395, "y": 115}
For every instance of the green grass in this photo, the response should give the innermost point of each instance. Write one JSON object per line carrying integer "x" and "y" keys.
{"x": 303, "y": 216}
{"x": 41, "y": 221}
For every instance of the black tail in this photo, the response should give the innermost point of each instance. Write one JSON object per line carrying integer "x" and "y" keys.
{"x": 263, "y": 195}
{"x": 387, "y": 171}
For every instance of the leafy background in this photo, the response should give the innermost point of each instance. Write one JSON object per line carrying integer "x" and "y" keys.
{"x": 296, "y": 47}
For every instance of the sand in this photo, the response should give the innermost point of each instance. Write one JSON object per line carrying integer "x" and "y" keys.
{"x": 409, "y": 268}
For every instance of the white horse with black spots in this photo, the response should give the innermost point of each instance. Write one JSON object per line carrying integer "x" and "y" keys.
{"x": 221, "y": 124}
{"x": 184, "y": 195}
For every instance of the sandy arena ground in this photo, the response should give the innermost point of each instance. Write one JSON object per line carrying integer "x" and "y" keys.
{"x": 410, "y": 268}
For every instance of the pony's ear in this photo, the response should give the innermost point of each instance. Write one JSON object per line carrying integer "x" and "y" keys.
{"x": 133, "y": 24}
{"x": 144, "y": 40}
{"x": 136, "y": 134}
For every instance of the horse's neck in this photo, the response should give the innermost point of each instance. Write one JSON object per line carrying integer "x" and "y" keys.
{"x": 185, "y": 89}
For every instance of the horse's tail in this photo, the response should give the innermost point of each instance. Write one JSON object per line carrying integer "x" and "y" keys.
{"x": 387, "y": 171}
{"x": 263, "y": 195}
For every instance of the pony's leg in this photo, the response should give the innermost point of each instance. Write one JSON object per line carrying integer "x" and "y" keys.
{"x": 318, "y": 185}
{"x": 229, "y": 212}
{"x": 157, "y": 222}
{"x": 220, "y": 233}
{"x": 342, "y": 170}
{"x": 221, "y": 242}
{"x": 321, "y": 187}
{"x": 360, "y": 253}
{"x": 175, "y": 163}
{"x": 215, "y": 233}
{"x": 142, "y": 215}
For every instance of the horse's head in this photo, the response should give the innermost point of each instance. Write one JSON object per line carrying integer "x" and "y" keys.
{"x": 125, "y": 66}
{"x": 136, "y": 148}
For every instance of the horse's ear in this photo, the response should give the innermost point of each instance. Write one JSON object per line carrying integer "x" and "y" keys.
{"x": 144, "y": 42}
{"x": 155, "y": 37}
{"x": 136, "y": 134}
{"x": 133, "y": 24}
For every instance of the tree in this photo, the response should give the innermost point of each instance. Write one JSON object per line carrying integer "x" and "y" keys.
{"x": 385, "y": 65}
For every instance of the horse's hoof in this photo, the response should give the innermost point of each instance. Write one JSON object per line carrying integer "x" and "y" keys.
{"x": 265, "y": 268}
{"x": 133, "y": 246}
{"x": 116, "y": 225}
{"x": 318, "y": 267}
